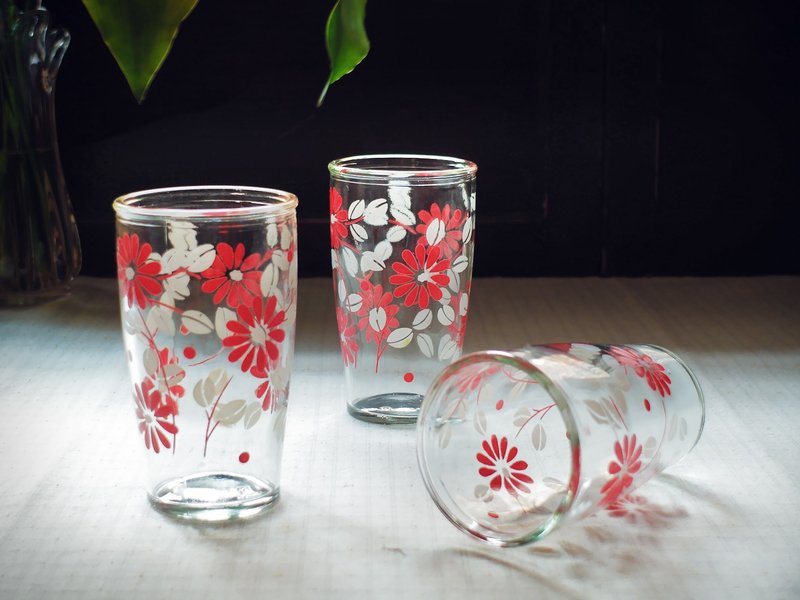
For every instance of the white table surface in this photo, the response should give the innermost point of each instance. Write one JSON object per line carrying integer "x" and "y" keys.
{"x": 354, "y": 519}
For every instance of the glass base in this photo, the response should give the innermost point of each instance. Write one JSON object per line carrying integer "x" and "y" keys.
{"x": 389, "y": 409}
{"x": 214, "y": 497}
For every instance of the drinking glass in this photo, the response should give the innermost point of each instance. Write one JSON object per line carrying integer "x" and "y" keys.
{"x": 512, "y": 444}
{"x": 208, "y": 295}
{"x": 402, "y": 238}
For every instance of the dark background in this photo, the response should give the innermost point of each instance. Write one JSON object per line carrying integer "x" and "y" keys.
{"x": 612, "y": 138}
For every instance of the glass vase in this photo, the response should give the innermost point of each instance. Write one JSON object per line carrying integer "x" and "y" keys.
{"x": 39, "y": 245}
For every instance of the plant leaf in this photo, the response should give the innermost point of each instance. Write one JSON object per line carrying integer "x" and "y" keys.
{"x": 139, "y": 34}
{"x": 345, "y": 39}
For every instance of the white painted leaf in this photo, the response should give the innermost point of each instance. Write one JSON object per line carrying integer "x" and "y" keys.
{"x": 196, "y": 322}
{"x": 483, "y": 492}
{"x": 597, "y": 411}
{"x": 269, "y": 279}
{"x": 377, "y": 318}
{"x": 272, "y": 235}
{"x": 221, "y": 318}
{"x": 400, "y": 195}
{"x": 230, "y": 413}
{"x": 446, "y": 295}
{"x": 174, "y": 259}
{"x": 463, "y": 304}
{"x": 466, "y": 230}
{"x": 479, "y": 422}
{"x": 358, "y": 232}
{"x": 286, "y": 237}
{"x": 472, "y": 198}
{"x": 400, "y": 337}
{"x": 446, "y": 315}
{"x": 403, "y": 215}
{"x": 150, "y": 361}
{"x": 354, "y": 302}
{"x": 279, "y": 260}
{"x": 395, "y": 234}
{"x": 219, "y": 379}
{"x": 370, "y": 263}
{"x": 435, "y": 232}
{"x": 130, "y": 322}
{"x": 198, "y": 395}
{"x": 423, "y": 319}
{"x": 252, "y": 414}
{"x": 455, "y": 280}
{"x": 447, "y": 348}
{"x": 425, "y": 344}
{"x": 177, "y": 286}
{"x": 350, "y": 261}
{"x": 539, "y": 437}
{"x": 460, "y": 263}
{"x": 209, "y": 390}
{"x": 182, "y": 235}
{"x": 383, "y": 250}
{"x": 159, "y": 320}
{"x": 201, "y": 258}
{"x": 341, "y": 291}
{"x": 521, "y": 417}
{"x": 375, "y": 213}
{"x": 356, "y": 210}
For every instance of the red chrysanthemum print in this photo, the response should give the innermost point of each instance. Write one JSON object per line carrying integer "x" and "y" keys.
{"x": 255, "y": 334}
{"x": 622, "y": 469}
{"x": 153, "y": 414}
{"x": 420, "y": 276}
{"x": 232, "y": 277}
{"x": 498, "y": 460}
{"x": 169, "y": 374}
{"x": 443, "y": 226}
{"x": 377, "y": 313}
{"x": 265, "y": 391}
{"x": 644, "y": 366}
{"x": 338, "y": 220}
{"x": 136, "y": 271}
{"x": 347, "y": 337}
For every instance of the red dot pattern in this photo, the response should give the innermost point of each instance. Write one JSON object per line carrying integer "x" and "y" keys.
{"x": 408, "y": 377}
{"x": 244, "y": 457}
{"x": 189, "y": 352}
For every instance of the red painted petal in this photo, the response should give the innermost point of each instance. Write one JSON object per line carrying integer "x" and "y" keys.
{"x": 251, "y": 262}
{"x": 484, "y": 459}
{"x": 524, "y": 478}
{"x": 486, "y": 472}
{"x": 511, "y": 454}
{"x": 225, "y": 255}
{"x": 238, "y": 255}
{"x": 410, "y": 260}
{"x": 496, "y": 483}
{"x": 150, "y": 285}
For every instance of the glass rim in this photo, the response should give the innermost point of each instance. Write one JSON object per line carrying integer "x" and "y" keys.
{"x": 248, "y": 202}
{"x": 420, "y": 169}
{"x": 463, "y": 521}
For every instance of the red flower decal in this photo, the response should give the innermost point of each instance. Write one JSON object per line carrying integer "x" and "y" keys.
{"x": 420, "y": 276}
{"x": 442, "y": 228}
{"x": 255, "y": 333}
{"x": 338, "y": 220}
{"x": 499, "y": 464}
{"x": 377, "y": 313}
{"x": 135, "y": 270}
{"x": 233, "y": 277}
{"x": 153, "y": 414}
{"x": 644, "y": 366}
{"x": 622, "y": 469}
{"x": 347, "y": 337}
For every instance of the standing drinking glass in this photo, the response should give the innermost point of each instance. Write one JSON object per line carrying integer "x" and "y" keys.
{"x": 402, "y": 231}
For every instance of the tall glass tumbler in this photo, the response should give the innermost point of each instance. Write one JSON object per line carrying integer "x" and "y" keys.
{"x": 512, "y": 444}
{"x": 402, "y": 238}
{"x": 208, "y": 296}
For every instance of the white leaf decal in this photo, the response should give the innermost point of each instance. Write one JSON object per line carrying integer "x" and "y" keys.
{"x": 482, "y": 492}
{"x": 201, "y": 258}
{"x": 435, "y": 232}
{"x": 272, "y": 235}
{"x": 479, "y": 421}
{"x": 230, "y": 413}
{"x": 279, "y": 260}
{"x": 159, "y": 320}
{"x": 150, "y": 361}
{"x": 423, "y": 319}
{"x": 400, "y": 195}
{"x": 455, "y": 280}
{"x": 286, "y": 237}
{"x": 425, "y": 344}
{"x": 539, "y": 437}
{"x": 182, "y": 235}
{"x": 356, "y": 210}
{"x": 252, "y": 414}
{"x": 221, "y": 318}
{"x": 400, "y": 337}
{"x": 466, "y": 231}
{"x": 354, "y": 302}
{"x": 196, "y": 322}
{"x": 404, "y": 216}
{"x": 198, "y": 394}
{"x": 395, "y": 234}
{"x": 463, "y": 304}
{"x": 375, "y": 213}
{"x": 446, "y": 315}
{"x": 447, "y": 348}
{"x": 350, "y": 261}
{"x": 341, "y": 290}
{"x": 375, "y": 260}
{"x": 460, "y": 263}
{"x": 358, "y": 232}
{"x": 377, "y": 318}
{"x": 269, "y": 279}
{"x": 177, "y": 286}
{"x": 173, "y": 260}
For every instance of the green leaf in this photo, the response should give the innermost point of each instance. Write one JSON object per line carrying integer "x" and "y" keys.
{"x": 139, "y": 34}
{"x": 346, "y": 39}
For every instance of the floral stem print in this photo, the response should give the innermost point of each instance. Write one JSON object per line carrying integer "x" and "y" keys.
{"x": 537, "y": 412}
{"x": 210, "y": 416}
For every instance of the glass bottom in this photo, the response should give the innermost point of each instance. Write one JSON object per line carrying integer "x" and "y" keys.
{"x": 214, "y": 497}
{"x": 389, "y": 409}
